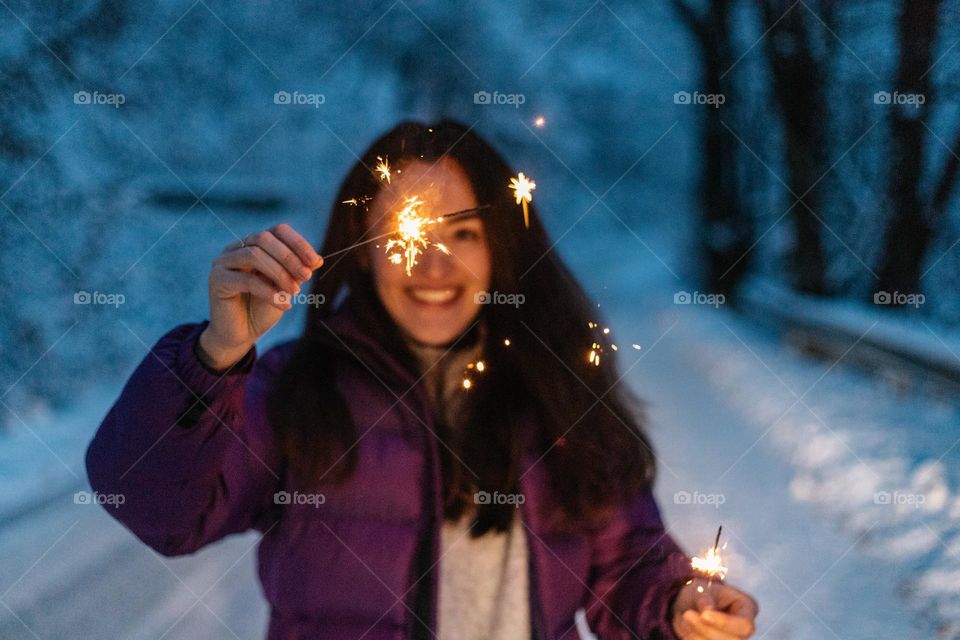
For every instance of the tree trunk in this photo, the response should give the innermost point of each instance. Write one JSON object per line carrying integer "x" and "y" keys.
{"x": 910, "y": 229}
{"x": 798, "y": 83}
{"x": 726, "y": 231}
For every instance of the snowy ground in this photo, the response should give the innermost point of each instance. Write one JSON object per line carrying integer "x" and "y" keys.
{"x": 805, "y": 535}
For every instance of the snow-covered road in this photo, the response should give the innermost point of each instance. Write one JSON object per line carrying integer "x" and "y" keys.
{"x": 70, "y": 571}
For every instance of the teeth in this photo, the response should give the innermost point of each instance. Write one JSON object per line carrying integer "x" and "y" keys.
{"x": 433, "y": 295}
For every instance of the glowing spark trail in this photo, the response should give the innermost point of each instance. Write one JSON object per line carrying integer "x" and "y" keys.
{"x": 383, "y": 168}
{"x": 523, "y": 191}
{"x": 479, "y": 367}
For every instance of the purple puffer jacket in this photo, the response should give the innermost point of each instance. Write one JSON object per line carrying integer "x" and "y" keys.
{"x": 193, "y": 455}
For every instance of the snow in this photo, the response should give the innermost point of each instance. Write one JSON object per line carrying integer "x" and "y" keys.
{"x": 41, "y": 454}
{"x": 900, "y": 330}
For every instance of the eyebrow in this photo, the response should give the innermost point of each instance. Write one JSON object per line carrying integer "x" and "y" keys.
{"x": 462, "y": 217}
{"x": 465, "y": 213}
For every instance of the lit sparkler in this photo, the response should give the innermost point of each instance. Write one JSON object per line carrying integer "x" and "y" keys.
{"x": 410, "y": 238}
{"x": 711, "y": 564}
{"x": 406, "y": 230}
{"x": 523, "y": 191}
{"x": 383, "y": 168}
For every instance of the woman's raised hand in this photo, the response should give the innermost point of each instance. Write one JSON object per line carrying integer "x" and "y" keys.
{"x": 251, "y": 285}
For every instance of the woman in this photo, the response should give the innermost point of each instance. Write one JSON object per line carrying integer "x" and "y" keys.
{"x": 395, "y": 499}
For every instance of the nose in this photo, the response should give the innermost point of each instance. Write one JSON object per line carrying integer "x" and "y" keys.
{"x": 434, "y": 263}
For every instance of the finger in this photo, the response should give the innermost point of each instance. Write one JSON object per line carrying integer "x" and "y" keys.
{"x": 304, "y": 250}
{"x": 738, "y": 626}
{"x": 738, "y": 603}
{"x": 744, "y": 607}
{"x": 252, "y": 257}
{"x": 704, "y": 601}
{"x": 283, "y": 254}
{"x": 255, "y": 285}
{"x": 699, "y": 626}
{"x": 686, "y": 630}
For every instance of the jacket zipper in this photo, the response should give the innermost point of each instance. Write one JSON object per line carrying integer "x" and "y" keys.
{"x": 536, "y": 617}
{"x": 437, "y": 507}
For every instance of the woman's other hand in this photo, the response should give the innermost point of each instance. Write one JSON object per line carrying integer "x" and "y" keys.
{"x": 718, "y": 612}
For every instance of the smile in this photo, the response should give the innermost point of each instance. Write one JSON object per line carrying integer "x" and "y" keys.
{"x": 424, "y": 295}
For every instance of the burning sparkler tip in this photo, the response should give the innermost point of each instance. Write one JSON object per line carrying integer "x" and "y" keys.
{"x": 523, "y": 191}
{"x": 711, "y": 564}
{"x": 383, "y": 168}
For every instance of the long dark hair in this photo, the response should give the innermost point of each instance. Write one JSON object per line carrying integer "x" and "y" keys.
{"x": 586, "y": 428}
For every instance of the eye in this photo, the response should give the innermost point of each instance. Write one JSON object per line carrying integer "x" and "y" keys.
{"x": 466, "y": 234}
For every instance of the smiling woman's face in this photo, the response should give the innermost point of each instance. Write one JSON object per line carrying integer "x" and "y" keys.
{"x": 438, "y": 301}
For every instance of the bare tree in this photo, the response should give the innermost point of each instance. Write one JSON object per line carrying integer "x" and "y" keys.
{"x": 799, "y": 87}
{"x": 727, "y": 230}
{"x": 914, "y": 215}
